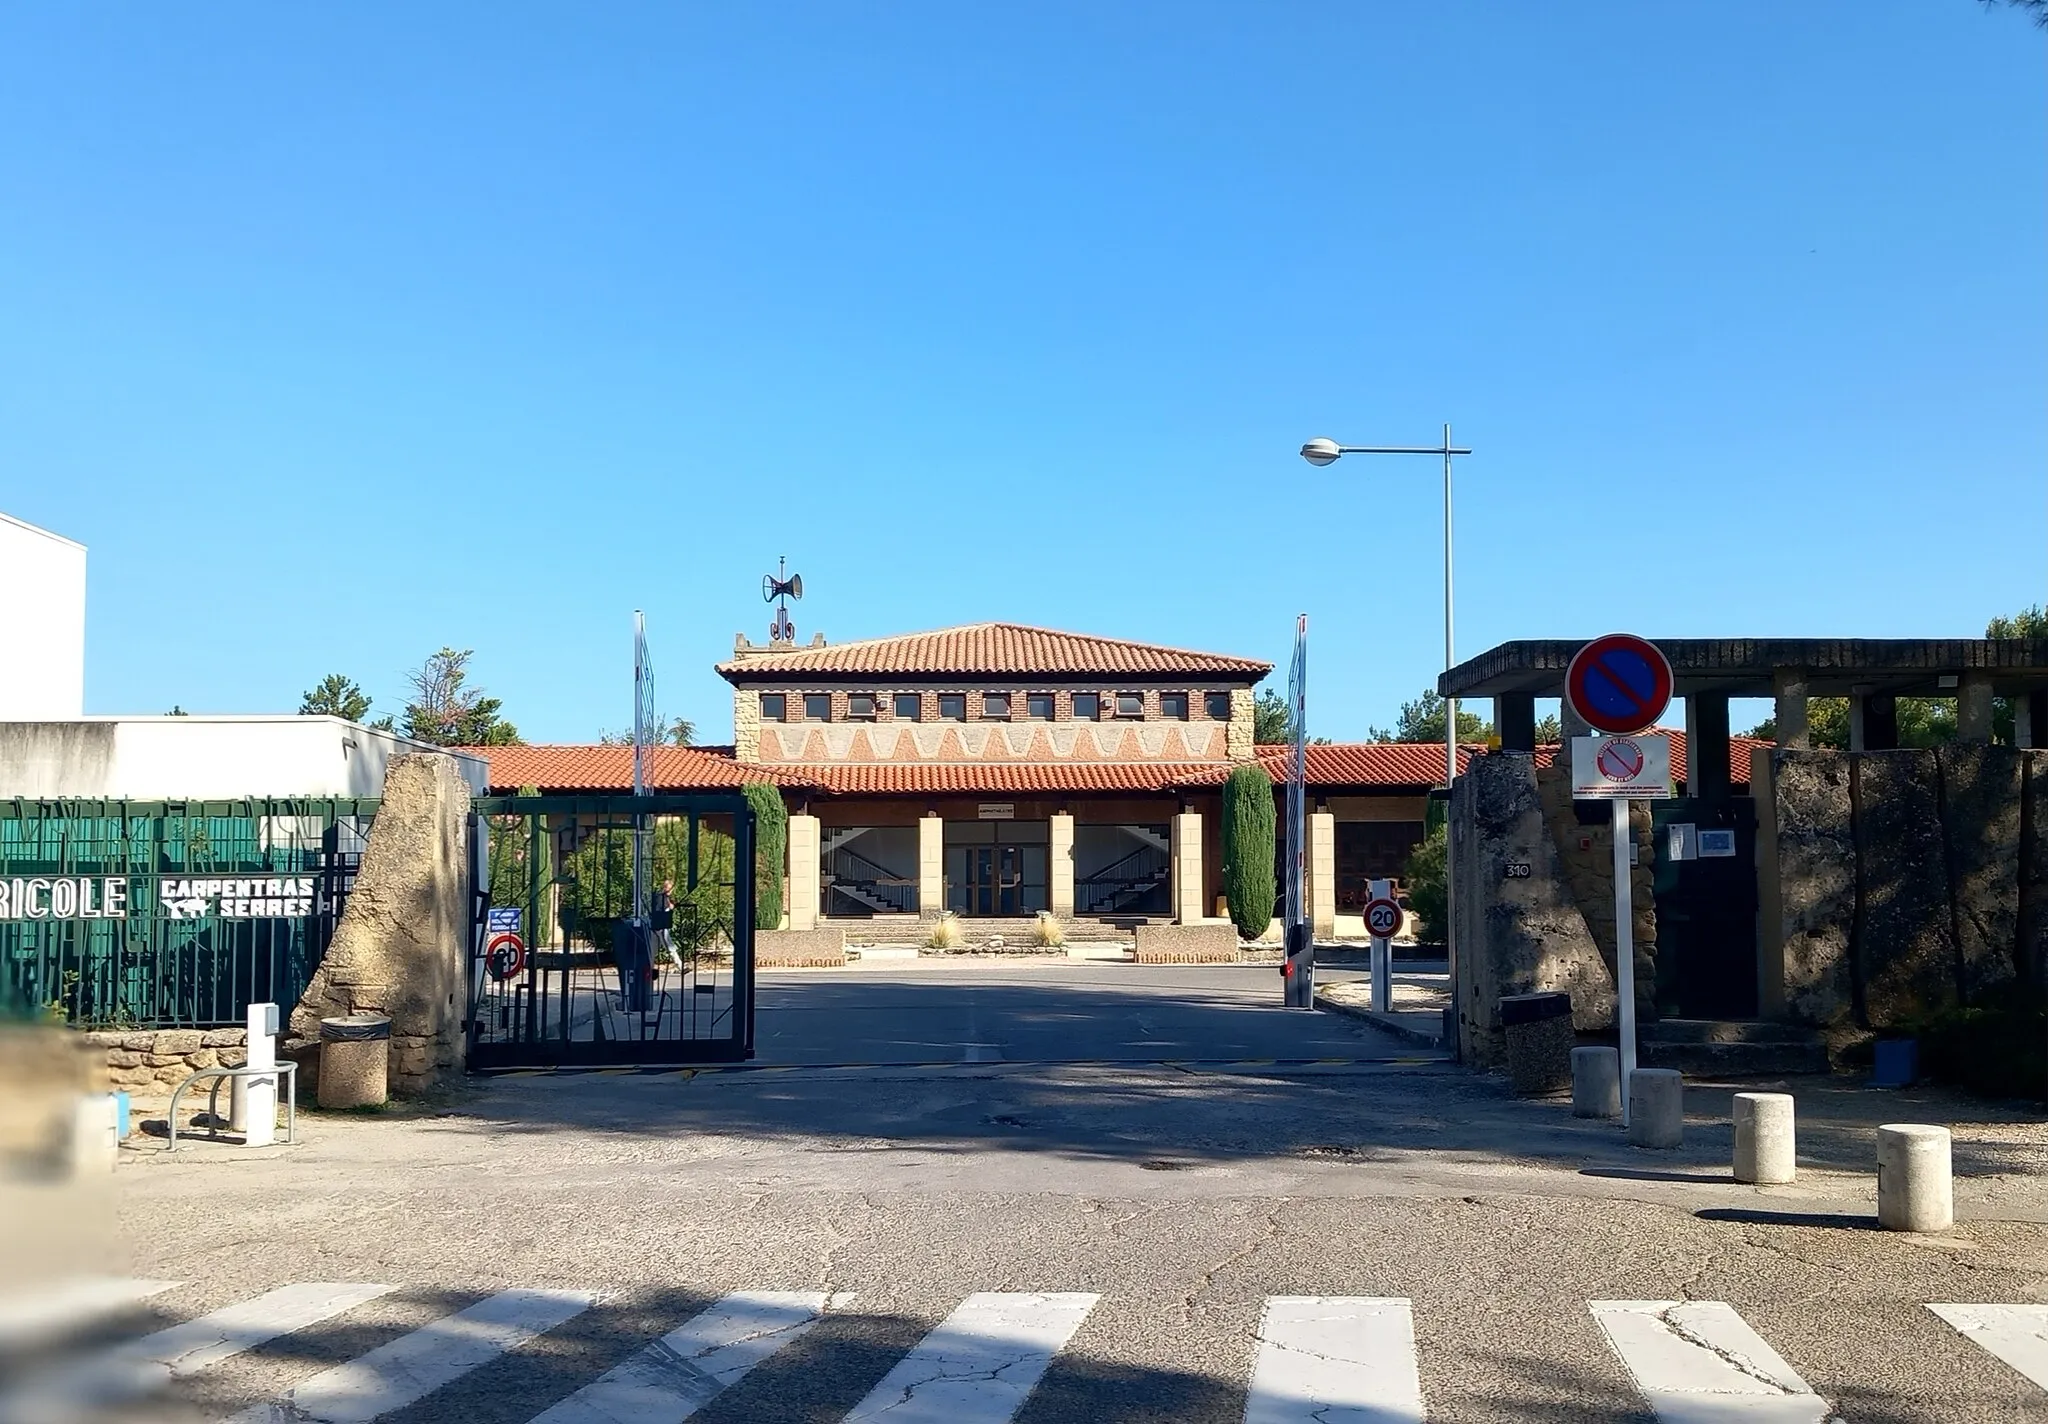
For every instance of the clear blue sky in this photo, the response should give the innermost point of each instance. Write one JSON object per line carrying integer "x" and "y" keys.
{"x": 339, "y": 333}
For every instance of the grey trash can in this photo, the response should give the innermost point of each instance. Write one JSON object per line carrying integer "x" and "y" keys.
{"x": 1540, "y": 1039}
{"x": 355, "y": 1061}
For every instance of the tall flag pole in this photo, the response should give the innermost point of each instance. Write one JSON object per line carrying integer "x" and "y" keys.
{"x": 1297, "y": 774}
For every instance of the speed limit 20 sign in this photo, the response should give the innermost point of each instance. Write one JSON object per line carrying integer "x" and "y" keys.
{"x": 1383, "y": 918}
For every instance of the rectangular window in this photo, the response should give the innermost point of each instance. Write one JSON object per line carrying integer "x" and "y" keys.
{"x": 861, "y": 706}
{"x": 1038, "y": 706}
{"x": 1219, "y": 706}
{"x": 907, "y": 709}
{"x": 952, "y": 707}
{"x": 1173, "y": 706}
{"x": 1087, "y": 706}
{"x": 774, "y": 707}
{"x": 1130, "y": 704}
{"x": 817, "y": 706}
{"x": 995, "y": 706}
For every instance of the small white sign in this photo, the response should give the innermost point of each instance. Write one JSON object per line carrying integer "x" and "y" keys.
{"x": 1717, "y": 845}
{"x": 1681, "y": 841}
{"x": 1631, "y": 768}
{"x": 998, "y": 810}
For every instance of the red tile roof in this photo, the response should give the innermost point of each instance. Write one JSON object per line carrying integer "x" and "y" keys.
{"x": 1002, "y": 778}
{"x": 993, "y": 649}
{"x": 561, "y": 768}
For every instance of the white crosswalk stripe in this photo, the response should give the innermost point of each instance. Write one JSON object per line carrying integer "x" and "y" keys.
{"x": 687, "y": 1368}
{"x": 415, "y": 1365}
{"x": 980, "y": 1363}
{"x": 2016, "y": 1334}
{"x": 1335, "y": 1360}
{"x": 32, "y": 1312}
{"x": 1698, "y": 1362}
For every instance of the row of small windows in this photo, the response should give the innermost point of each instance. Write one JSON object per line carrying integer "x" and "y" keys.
{"x": 995, "y": 706}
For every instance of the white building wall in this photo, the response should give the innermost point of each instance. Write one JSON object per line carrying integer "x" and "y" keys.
{"x": 193, "y": 758}
{"x": 42, "y": 624}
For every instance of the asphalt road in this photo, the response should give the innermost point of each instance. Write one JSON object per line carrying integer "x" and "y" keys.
{"x": 1121, "y": 1149}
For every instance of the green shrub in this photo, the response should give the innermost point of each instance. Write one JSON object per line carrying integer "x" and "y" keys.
{"x": 1998, "y": 1052}
{"x": 1423, "y": 881}
{"x": 1248, "y": 841}
{"x": 771, "y": 851}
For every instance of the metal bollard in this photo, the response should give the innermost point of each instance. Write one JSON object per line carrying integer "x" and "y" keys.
{"x": 1765, "y": 1150}
{"x": 1596, "y": 1082}
{"x": 1915, "y": 1180}
{"x": 1656, "y": 1107}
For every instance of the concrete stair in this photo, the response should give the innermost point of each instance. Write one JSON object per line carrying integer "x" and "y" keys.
{"x": 1730, "y": 1048}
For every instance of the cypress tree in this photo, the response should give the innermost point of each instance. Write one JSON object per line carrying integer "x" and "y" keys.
{"x": 771, "y": 851}
{"x": 1248, "y": 831}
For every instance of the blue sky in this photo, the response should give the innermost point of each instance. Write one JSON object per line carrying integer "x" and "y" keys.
{"x": 342, "y": 333}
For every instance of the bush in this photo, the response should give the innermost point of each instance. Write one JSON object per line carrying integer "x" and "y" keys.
{"x": 1424, "y": 882}
{"x": 945, "y": 932}
{"x": 771, "y": 851}
{"x": 1248, "y": 847}
{"x": 1046, "y": 932}
{"x": 1998, "y": 1052}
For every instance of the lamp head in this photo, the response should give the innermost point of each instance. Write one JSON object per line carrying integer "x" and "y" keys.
{"x": 1321, "y": 451}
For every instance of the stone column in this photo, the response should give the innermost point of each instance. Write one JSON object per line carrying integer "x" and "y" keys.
{"x": 1514, "y": 716}
{"x": 1788, "y": 687}
{"x": 803, "y": 872}
{"x": 931, "y": 866}
{"x": 1706, "y": 746}
{"x": 1060, "y": 854}
{"x": 1187, "y": 868}
{"x": 1322, "y": 874}
{"x": 1973, "y": 708}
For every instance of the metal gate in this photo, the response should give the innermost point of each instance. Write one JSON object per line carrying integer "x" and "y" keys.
{"x": 562, "y": 970}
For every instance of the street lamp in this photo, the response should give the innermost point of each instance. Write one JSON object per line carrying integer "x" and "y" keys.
{"x": 1324, "y": 451}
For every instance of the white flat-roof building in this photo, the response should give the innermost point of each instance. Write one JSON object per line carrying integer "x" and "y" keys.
{"x": 42, "y": 624}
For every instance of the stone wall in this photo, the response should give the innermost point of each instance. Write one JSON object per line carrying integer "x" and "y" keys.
{"x": 1816, "y": 856}
{"x": 821, "y": 948}
{"x": 1187, "y": 944}
{"x": 403, "y": 941}
{"x": 150, "y": 1063}
{"x": 1585, "y": 856}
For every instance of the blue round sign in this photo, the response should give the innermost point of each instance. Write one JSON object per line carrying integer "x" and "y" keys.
{"x": 1619, "y": 683}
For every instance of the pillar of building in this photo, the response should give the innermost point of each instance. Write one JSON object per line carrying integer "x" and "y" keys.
{"x": 1514, "y": 717}
{"x": 1973, "y": 708}
{"x": 1706, "y": 746}
{"x": 1060, "y": 870}
{"x": 1788, "y": 691}
{"x": 1187, "y": 868}
{"x": 1321, "y": 889}
{"x": 803, "y": 872}
{"x": 2030, "y": 719}
{"x": 931, "y": 865}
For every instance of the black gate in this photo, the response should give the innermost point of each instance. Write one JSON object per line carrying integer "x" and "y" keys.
{"x": 1706, "y": 908}
{"x": 563, "y": 972}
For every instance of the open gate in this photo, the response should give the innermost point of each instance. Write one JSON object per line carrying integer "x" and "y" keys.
{"x": 562, "y": 971}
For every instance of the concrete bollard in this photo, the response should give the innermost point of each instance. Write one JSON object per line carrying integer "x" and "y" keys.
{"x": 1596, "y": 1082}
{"x": 1656, "y": 1107}
{"x": 1764, "y": 1141}
{"x": 1915, "y": 1181}
{"x": 355, "y": 1061}
{"x": 95, "y": 1145}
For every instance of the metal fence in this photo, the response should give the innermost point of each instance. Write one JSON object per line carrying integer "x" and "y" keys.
{"x": 170, "y": 914}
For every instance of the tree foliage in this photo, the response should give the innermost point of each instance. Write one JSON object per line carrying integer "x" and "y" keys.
{"x": 1248, "y": 849}
{"x": 1273, "y": 722}
{"x": 335, "y": 696}
{"x": 521, "y": 863}
{"x": 771, "y": 851}
{"x": 1423, "y": 721}
{"x": 675, "y": 732}
{"x": 447, "y": 711}
{"x": 1423, "y": 881}
{"x": 597, "y": 883}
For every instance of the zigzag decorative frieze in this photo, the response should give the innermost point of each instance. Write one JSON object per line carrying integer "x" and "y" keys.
{"x": 996, "y": 742}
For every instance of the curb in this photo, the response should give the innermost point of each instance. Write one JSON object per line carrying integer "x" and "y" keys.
{"x": 1386, "y": 1023}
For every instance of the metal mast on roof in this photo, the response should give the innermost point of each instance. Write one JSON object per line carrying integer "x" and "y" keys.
{"x": 779, "y": 588}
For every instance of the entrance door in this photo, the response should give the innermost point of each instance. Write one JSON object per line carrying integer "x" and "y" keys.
{"x": 1706, "y": 909}
{"x": 996, "y": 868}
{"x": 995, "y": 880}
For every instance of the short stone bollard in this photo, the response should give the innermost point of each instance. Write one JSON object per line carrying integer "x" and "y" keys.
{"x": 95, "y": 1144}
{"x": 1764, "y": 1142}
{"x": 1538, "y": 1028}
{"x": 1915, "y": 1178}
{"x": 355, "y": 1061}
{"x": 1656, "y": 1107}
{"x": 1596, "y": 1082}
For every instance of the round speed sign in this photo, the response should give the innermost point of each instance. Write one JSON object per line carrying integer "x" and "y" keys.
{"x": 1383, "y": 918}
{"x": 505, "y": 956}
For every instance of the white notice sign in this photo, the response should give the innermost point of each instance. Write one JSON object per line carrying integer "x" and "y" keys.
{"x": 1633, "y": 768}
{"x": 998, "y": 810}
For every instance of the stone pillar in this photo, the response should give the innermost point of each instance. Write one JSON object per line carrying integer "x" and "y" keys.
{"x": 1788, "y": 687}
{"x": 931, "y": 867}
{"x": 1706, "y": 746}
{"x": 1514, "y": 717}
{"x": 2030, "y": 718}
{"x": 1060, "y": 867}
{"x": 803, "y": 872}
{"x": 1321, "y": 888}
{"x": 1973, "y": 708}
{"x": 1187, "y": 868}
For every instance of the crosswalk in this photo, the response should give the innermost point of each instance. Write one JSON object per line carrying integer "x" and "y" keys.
{"x": 1312, "y": 1359}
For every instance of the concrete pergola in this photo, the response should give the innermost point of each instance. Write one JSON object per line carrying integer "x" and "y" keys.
{"x": 1871, "y": 672}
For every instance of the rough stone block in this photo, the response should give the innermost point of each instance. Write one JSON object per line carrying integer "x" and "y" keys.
{"x": 175, "y": 1040}
{"x": 164, "y": 1060}
{"x": 135, "y": 1077}
{"x": 1906, "y": 942}
{"x": 138, "y": 1042}
{"x": 1187, "y": 944}
{"x": 820, "y": 948}
{"x": 100, "y": 1038}
{"x": 224, "y": 1037}
{"x": 203, "y": 1058}
{"x": 1817, "y": 877}
{"x": 1981, "y": 806}
{"x": 233, "y": 1057}
{"x": 122, "y": 1058}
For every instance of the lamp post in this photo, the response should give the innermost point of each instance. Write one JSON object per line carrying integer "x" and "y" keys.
{"x": 1324, "y": 451}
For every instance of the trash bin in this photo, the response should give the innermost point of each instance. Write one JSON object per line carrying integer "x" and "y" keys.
{"x": 355, "y": 1061}
{"x": 1540, "y": 1042}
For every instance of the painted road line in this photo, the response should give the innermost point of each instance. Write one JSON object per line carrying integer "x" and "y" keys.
{"x": 689, "y": 1367}
{"x": 198, "y": 1344}
{"x": 2016, "y": 1334}
{"x": 414, "y": 1366}
{"x": 31, "y": 1313}
{"x": 1698, "y": 1362}
{"x": 1335, "y": 1359}
{"x": 981, "y": 1362}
